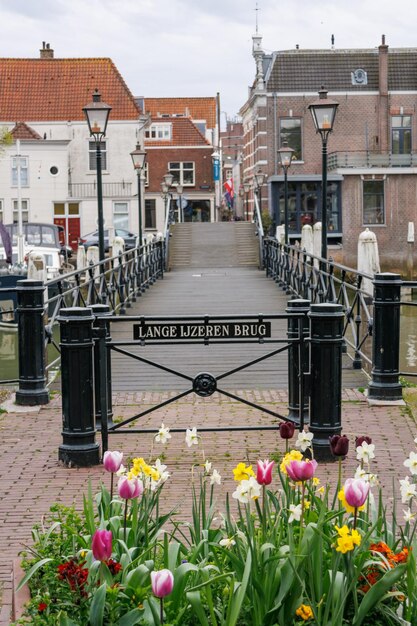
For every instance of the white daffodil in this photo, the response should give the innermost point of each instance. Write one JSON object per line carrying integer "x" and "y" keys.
{"x": 415, "y": 441}
{"x": 247, "y": 490}
{"x": 160, "y": 467}
{"x": 207, "y": 467}
{"x": 295, "y": 513}
{"x": 304, "y": 440}
{"x": 163, "y": 435}
{"x": 227, "y": 543}
{"x": 365, "y": 452}
{"x": 121, "y": 471}
{"x": 191, "y": 437}
{"x": 215, "y": 478}
{"x": 408, "y": 490}
{"x": 408, "y": 516}
{"x": 411, "y": 463}
{"x": 360, "y": 473}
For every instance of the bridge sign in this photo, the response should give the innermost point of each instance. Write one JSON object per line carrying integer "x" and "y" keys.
{"x": 202, "y": 330}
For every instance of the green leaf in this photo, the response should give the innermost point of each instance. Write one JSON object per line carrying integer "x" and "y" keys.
{"x": 131, "y": 618}
{"x": 377, "y": 592}
{"x": 194, "y": 598}
{"x": 238, "y": 597}
{"x": 64, "y": 620}
{"x": 30, "y": 572}
{"x": 97, "y": 606}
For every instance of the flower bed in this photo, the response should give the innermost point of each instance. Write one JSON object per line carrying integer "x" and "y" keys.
{"x": 284, "y": 550}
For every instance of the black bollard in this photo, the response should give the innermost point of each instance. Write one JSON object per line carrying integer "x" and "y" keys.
{"x": 32, "y": 367}
{"x": 385, "y": 383}
{"x": 101, "y": 327}
{"x": 326, "y": 333}
{"x": 79, "y": 447}
{"x": 298, "y": 361}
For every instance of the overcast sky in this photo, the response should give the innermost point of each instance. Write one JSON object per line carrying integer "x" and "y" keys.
{"x": 197, "y": 47}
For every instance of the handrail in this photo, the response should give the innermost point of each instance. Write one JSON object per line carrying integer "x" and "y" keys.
{"x": 257, "y": 220}
{"x": 166, "y": 233}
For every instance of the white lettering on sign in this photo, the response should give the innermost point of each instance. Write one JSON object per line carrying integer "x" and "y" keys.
{"x": 241, "y": 330}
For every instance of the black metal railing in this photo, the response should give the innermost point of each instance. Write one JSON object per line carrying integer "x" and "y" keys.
{"x": 370, "y": 158}
{"x": 257, "y": 220}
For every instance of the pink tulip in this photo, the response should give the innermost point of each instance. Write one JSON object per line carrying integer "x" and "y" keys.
{"x": 112, "y": 461}
{"x": 356, "y": 491}
{"x": 101, "y": 545}
{"x": 300, "y": 471}
{"x": 129, "y": 488}
{"x": 264, "y": 472}
{"x": 162, "y": 583}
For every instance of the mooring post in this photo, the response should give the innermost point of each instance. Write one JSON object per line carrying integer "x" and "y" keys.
{"x": 101, "y": 329}
{"x": 79, "y": 447}
{"x": 298, "y": 360}
{"x": 385, "y": 384}
{"x": 326, "y": 339}
{"x": 31, "y": 339}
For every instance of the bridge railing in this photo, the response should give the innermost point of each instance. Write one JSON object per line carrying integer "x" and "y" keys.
{"x": 257, "y": 219}
{"x": 371, "y": 306}
{"x": 169, "y": 219}
{"x": 114, "y": 283}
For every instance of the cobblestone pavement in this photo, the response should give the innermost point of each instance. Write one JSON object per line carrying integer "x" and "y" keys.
{"x": 31, "y": 478}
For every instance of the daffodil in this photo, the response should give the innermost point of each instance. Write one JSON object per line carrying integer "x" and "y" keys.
{"x": 365, "y": 452}
{"x": 295, "y": 513}
{"x": 347, "y": 539}
{"x": 215, "y": 478}
{"x": 304, "y": 440}
{"x": 408, "y": 490}
{"x": 408, "y": 516}
{"x": 411, "y": 463}
{"x": 227, "y": 542}
{"x": 293, "y": 455}
{"x": 247, "y": 490}
{"x": 191, "y": 437}
{"x": 243, "y": 472}
{"x": 207, "y": 467}
{"x": 163, "y": 434}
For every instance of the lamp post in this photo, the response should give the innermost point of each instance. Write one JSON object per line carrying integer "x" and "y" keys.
{"x": 165, "y": 185}
{"x": 259, "y": 179}
{"x": 97, "y": 115}
{"x": 285, "y": 155}
{"x": 139, "y": 158}
{"x": 180, "y": 212}
{"x": 246, "y": 189}
{"x": 323, "y": 112}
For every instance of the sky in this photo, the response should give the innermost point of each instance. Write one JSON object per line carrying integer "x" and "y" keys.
{"x": 174, "y": 48}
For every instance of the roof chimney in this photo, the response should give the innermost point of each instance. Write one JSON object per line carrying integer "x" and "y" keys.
{"x": 46, "y": 52}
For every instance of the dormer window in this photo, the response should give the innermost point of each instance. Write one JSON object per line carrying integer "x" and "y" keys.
{"x": 159, "y": 132}
{"x": 359, "y": 77}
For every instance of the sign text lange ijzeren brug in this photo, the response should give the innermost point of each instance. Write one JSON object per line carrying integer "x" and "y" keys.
{"x": 235, "y": 330}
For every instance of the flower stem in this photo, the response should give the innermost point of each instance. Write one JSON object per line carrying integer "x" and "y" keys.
{"x": 286, "y": 446}
{"x": 263, "y": 512}
{"x": 161, "y": 610}
{"x": 111, "y": 489}
{"x": 355, "y": 517}
{"x": 303, "y": 488}
{"x": 339, "y": 480}
{"x": 124, "y": 526}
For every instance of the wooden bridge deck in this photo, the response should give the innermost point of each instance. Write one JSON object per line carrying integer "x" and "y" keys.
{"x": 213, "y": 291}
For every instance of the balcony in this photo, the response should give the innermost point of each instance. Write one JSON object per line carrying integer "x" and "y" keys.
{"x": 367, "y": 159}
{"x": 110, "y": 190}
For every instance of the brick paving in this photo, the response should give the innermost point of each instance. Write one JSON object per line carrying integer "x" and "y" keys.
{"x": 31, "y": 479}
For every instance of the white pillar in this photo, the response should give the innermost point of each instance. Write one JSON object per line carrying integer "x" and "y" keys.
{"x": 280, "y": 233}
{"x": 368, "y": 258}
{"x": 307, "y": 239}
{"x": 117, "y": 245}
{"x": 81, "y": 258}
{"x": 93, "y": 257}
{"x": 317, "y": 242}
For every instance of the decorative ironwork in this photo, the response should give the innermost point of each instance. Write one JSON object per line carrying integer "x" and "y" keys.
{"x": 204, "y": 384}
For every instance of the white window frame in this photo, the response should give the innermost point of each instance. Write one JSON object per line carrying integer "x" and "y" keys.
{"x": 159, "y": 132}
{"x": 24, "y": 171}
{"x": 92, "y": 161}
{"x": 145, "y": 174}
{"x": 178, "y": 172}
{"x": 124, "y": 214}
{"x": 25, "y": 210}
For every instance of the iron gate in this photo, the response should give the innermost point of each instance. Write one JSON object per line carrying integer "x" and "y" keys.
{"x": 194, "y": 330}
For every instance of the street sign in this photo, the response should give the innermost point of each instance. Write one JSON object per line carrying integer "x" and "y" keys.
{"x": 211, "y": 330}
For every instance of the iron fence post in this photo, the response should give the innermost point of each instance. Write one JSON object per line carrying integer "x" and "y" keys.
{"x": 101, "y": 328}
{"x": 326, "y": 333}
{"x": 385, "y": 383}
{"x": 31, "y": 343}
{"x": 79, "y": 447}
{"x": 298, "y": 360}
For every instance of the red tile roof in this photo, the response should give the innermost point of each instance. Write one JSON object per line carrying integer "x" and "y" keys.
{"x": 58, "y": 89}
{"x": 23, "y": 131}
{"x": 184, "y": 133}
{"x": 196, "y": 108}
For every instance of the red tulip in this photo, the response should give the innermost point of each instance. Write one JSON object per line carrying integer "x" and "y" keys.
{"x": 112, "y": 461}
{"x": 300, "y": 471}
{"x": 101, "y": 545}
{"x": 360, "y": 440}
{"x": 162, "y": 583}
{"x": 129, "y": 488}
{"x": 356, "y": 491}
{"x": 339, "y": 445}
{"x": 286, "y": 430}
{"x": 264, "y": 472}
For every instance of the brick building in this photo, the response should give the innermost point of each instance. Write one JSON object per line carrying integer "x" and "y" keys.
{"x": 179, "y": 138}
{"x": 372, "y": 150}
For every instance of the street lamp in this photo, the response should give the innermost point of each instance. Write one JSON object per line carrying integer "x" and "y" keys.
{"x": 180, "y": 212}
{"x": 285, "y": 155}
{"x": 139, "y": 158}
{"x": 259, "y": 179}
{"x": 246, "y": 189}
{"x": 97, "y": 115}
{"x": 323, "y": 112}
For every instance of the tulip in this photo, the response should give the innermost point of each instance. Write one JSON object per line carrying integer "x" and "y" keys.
{"x": 339, "y": 445}
{"x": 286, "y": 430}
{"x": 101, "y": 545}
{"x": 264, "y": 472}
{"x": 129, "y": 488}
{"x": 299, "y": 471}
{"x": 360, "y": 440}
{"x": 356, "y": 491}
{"x": 112, "y": 461}
{"x": 162, "y": 583}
